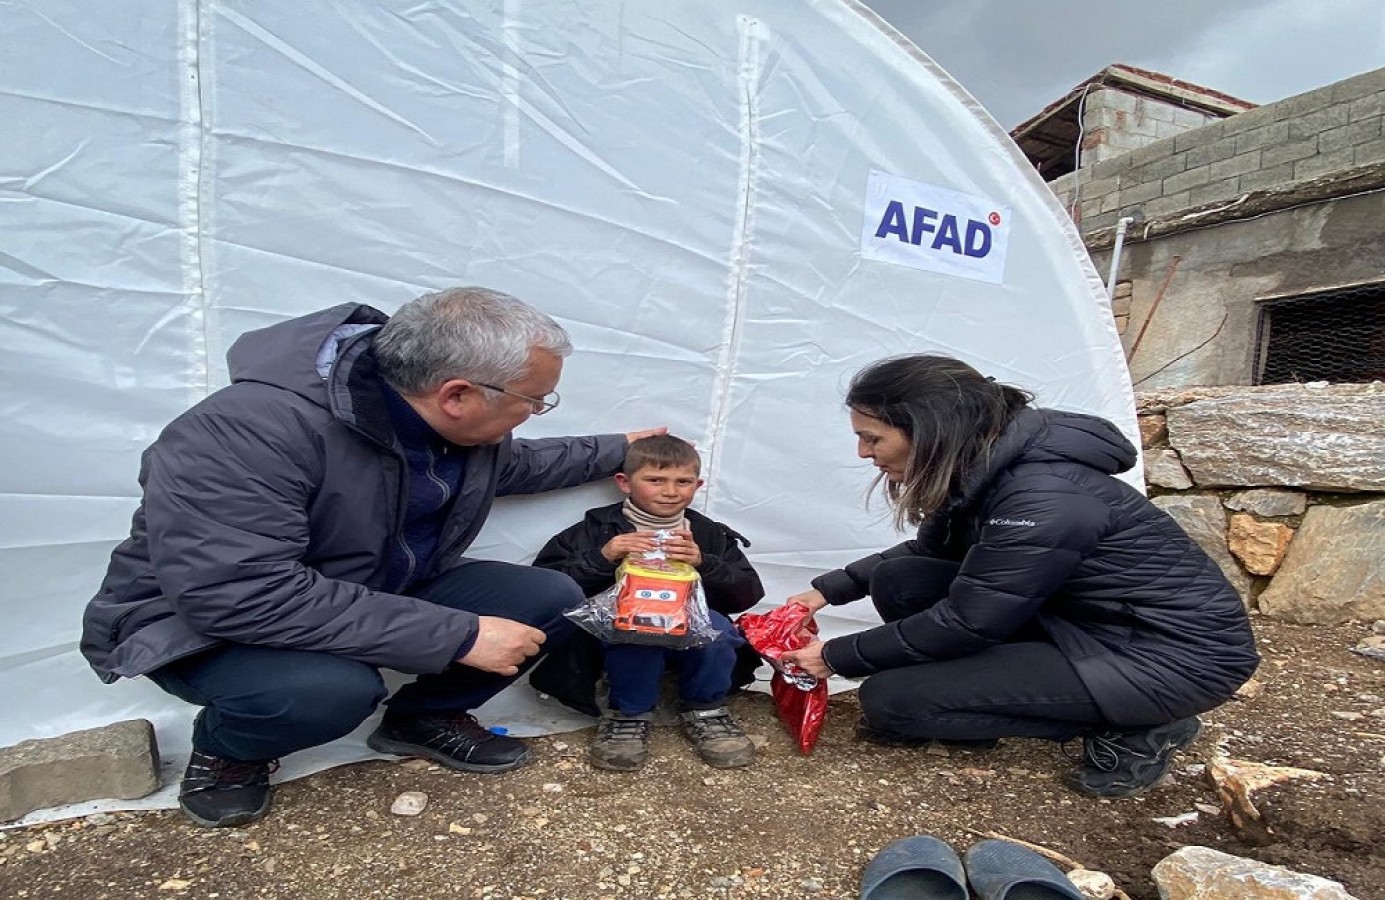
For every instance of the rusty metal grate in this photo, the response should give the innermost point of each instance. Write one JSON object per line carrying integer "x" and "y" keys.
{"x": 1336, "y": 336}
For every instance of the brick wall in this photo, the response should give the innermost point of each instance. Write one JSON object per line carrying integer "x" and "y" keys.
{"x": 1115, "y": 122}
{"x": 1331, "y": 129}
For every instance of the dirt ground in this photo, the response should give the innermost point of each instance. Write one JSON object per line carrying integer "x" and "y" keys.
{"x": 788, "y": 827}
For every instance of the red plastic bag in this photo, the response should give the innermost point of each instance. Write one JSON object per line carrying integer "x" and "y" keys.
{"x": 800, "y": 698}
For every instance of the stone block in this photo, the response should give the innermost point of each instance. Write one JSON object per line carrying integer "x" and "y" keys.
{"x": 1273, "y": 156}
{"x": 1139, "y": 193}
{"x": 1318, "y": 121}
{"x": 1329, "y": 438}
{"x": 1324, "y": 164}
{"x": 1349, "y": 135}
{"x": 1366, "y": 154}
{"x": 1214, "y": 192}
{"x": 1268, "y": 135}
{"x": 1201, "y": 137}
{"x": 1372, "y": 107}
{"x": 1266, "y": 179}
{"x": 1164, "y": 469}
{"x": 1203, "y": 519}
{"x": 1201, "y": 873}
{"x": 1300, "y": 105}
{"x": 1211, "y": 152}
{"x": 1168, "y": 203}
{"x": 1335, "y": 569}
{"x": 1189, "y": 178}
{"x": 1156, "y": 170}
{"x": 1268, "y": 503}
{"x": 1260, "y": 546}
{"x": 1154, "y": 429}
{"x": 1372, "y": 82}
{"x": 1236, "y": 165}
{"x": 120, "y": 760}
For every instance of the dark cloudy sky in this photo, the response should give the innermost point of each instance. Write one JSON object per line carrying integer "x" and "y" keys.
{"x": 1016, "y": 56}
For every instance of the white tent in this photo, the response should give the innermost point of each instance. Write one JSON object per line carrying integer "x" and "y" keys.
{"x": 731, "y": 206}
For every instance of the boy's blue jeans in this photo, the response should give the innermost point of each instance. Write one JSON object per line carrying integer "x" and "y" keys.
{"x": 266, "y": 702}
{"x": 704, "y": 673}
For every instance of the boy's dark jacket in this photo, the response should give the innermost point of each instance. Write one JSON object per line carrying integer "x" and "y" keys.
{"x": 570, "y": 673}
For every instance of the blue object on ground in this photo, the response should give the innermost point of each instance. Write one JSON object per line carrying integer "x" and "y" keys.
{"x": 1001, "y": 870}
{"x": 498, "y": 729}
{"x": 914, "y": 868}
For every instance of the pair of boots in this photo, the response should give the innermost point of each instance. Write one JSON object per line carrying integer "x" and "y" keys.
{"x": 924, "y": 868}
{"x": 622, "y": 742}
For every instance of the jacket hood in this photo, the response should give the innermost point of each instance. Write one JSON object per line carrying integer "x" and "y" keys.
{"x": 1049, "y": 435}
{"x": 297, "y": 355}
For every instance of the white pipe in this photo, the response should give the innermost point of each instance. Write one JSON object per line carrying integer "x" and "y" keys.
{"x": 1121, "y": 226}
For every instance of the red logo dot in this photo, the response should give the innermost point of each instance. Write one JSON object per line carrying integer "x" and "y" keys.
{"x": 994, "y": 218}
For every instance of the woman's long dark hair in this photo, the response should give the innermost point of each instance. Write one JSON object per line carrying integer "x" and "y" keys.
{"x": 951, "y": 414}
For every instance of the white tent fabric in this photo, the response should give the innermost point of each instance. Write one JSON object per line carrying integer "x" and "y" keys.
{"x": 731, "y": 206}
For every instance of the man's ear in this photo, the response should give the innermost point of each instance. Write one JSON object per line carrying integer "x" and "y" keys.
{"x": 623, "y": 482}
{"x": 453, "y": 395}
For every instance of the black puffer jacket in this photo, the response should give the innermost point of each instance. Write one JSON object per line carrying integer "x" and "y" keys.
{"x": 1045, "y": 534}
{"x": 270, "y": 508}
{"x": 570, "y": 672}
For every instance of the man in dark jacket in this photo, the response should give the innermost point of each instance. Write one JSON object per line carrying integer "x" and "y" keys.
{"x": 303, "y": 528}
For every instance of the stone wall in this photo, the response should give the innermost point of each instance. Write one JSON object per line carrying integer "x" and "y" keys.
{"x": 1283, "y": 486}
{"x": 1116, "y": 121}
{"x": 1331, "y": 129}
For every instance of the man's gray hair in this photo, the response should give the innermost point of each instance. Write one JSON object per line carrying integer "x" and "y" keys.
{"x": 467, "y": 332}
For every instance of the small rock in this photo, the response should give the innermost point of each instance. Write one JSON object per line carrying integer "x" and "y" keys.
{"x": 1348, "y": 716}
{"x": 454, "y": 828}
{"x": 1250, "y": 690}
{"x": 1378, "y": 626}
{"x": 409, "y": 803}
{"x": 552, "y": 787}
{"x": 811, "y": 885}
{"x": 1174, "y": 821}
{"x": 416, "y": 765}
{"x": 100, "y": 819}
{"x": 759, "y": 741}
{"x": 1093, "y": 884}
{"x": 175, "y": 884}
{"x": 560, "y": 746}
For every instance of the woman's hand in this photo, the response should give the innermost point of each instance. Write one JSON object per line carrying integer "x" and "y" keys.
{"x": 809, "y": 659}
{"x": 813, "y": 599}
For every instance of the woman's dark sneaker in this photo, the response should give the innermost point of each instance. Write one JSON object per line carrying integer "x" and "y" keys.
{"x": 1126, "y": 763}
{"x": 221, "y": 793}
{"x": 458, "y": 742}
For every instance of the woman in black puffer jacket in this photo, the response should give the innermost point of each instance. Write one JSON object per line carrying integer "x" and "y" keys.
{"x": 1042, "y": 597}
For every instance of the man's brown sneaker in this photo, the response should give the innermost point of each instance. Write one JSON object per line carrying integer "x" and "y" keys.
{"x": 622, "y": 742}
{"x": 718, "y": 739}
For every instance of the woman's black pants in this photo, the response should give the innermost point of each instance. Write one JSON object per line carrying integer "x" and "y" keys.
{"x": 1024, "y": 687}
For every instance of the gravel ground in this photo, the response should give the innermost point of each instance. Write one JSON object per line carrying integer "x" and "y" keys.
{"x": 790, "y": 826}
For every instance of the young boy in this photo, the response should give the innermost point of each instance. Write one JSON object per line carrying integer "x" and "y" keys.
{"x": 660, "y": 476}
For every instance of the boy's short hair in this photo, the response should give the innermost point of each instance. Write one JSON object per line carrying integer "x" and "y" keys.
{"x": 660, "y": 451}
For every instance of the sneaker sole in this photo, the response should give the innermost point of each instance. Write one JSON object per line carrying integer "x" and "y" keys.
{"x": 612, "y": 765}
{"x": 232, "y": 821}
{"x": 1178, "y": 742}
{"x": 399, "y": 748}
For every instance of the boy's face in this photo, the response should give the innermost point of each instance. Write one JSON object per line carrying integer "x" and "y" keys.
{"x": 660, "y": 492}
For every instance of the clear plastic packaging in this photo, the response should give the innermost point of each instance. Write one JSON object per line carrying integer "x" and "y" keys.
{"x": 655, "y": 601}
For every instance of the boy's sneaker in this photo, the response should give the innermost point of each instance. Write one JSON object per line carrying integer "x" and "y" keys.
{"x": 718, "y": 739}
{"x": 221, "y": 793}
{"x": 1126, "y": 763}
{"x": 456, "y": 741}
{"x": 622, "y": 742}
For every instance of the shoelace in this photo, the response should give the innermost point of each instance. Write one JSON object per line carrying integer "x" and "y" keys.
{"x": 456, "y": 732}
{"x": 625, "y": 729}
{"x": 715, "y": 727}
{"x": 212, "y": 773}
{"x": 1103, "y": 752}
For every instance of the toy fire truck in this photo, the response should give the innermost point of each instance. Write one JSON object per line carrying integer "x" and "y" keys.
{"x": 654, "y": 599}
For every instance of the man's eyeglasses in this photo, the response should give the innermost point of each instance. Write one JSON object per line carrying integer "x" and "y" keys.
{"x": 545, "y": 404}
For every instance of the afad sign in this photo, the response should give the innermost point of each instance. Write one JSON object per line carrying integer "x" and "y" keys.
{"x": 923, "y": 226}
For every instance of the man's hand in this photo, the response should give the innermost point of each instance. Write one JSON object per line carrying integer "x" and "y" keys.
{"x": 502, "y": 645}
{"x": 632, "y": 436}
{"x": 809, "y": 659}
{"x": 681, "y": 547}
{"x": 622, "y": 545}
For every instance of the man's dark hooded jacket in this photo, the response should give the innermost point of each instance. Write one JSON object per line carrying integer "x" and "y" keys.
{"x": 1044, "y": 534}
{"x": 270, "y": 507}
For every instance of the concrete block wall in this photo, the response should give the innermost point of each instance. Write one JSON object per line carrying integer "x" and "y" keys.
{"x": 1331, "y": 129}
{"x": 1116, "y": 122}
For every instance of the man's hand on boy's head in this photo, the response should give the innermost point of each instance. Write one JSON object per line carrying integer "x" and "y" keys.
{"x": 632, "y": 436}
